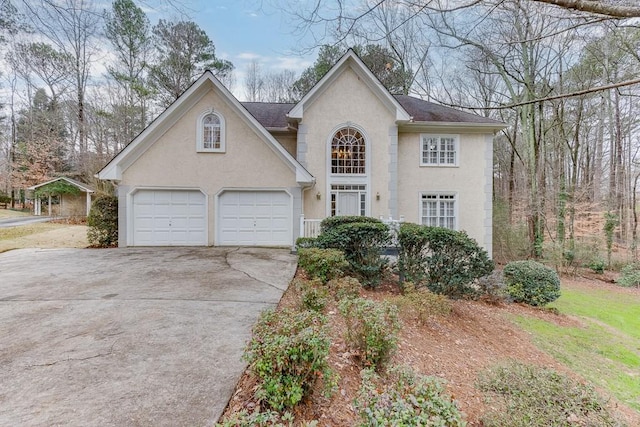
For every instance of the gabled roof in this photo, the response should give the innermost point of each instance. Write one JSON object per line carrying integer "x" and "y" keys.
{"x": 352, "y": 60}
{"x": 125, "y": 158}
{"x": 83, "y": 187}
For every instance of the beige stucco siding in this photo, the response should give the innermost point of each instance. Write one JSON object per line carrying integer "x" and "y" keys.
{"x": 347, "y": 100}
{"x": 173, "y": 162}
{"x": 469, "y": 181}
{"x": 287, "y": 140}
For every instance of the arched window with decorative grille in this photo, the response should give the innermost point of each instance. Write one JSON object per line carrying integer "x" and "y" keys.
{"x": 348, "y": 152}
{"x": 211, "y": 132}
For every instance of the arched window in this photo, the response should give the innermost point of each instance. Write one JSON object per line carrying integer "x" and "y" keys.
{"x": 348, "y": 152}
{"x": 211, "y": 132}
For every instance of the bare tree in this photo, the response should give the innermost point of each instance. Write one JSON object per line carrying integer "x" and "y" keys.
{"x": 70, "y": 26}
{"x": 254, "y": 82}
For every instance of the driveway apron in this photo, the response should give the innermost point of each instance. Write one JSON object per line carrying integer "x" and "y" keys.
{"x": 130, "y": 336}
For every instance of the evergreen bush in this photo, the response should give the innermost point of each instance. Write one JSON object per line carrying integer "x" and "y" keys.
{"x": 103, "y": 222}
{"x": 323, "y": 264}
{"x": 531, "y": 283}
{"x": 445, "y": 261}
{"x": 372, "y": 329}
{"x": 361, "y": 239}
{"x": 289, "y": 351}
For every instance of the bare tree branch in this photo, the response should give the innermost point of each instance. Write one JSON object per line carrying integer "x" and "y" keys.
{"x": 597, "y": 7}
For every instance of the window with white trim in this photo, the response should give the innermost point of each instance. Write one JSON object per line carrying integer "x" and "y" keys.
{"x": 211, "y": 133}
{"x": 438, "y": 210}
{"x": 348, "y": 152}
{"x": 439, "y": 150}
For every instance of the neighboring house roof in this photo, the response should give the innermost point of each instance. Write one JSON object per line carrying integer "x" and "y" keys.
{"x": 352, "y": 60}
{"x": 125, "y": 158}
{"x": 271, "y": 115}
{"x": 83, "y": 187}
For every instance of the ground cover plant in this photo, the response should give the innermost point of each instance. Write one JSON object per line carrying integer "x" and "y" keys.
{"x": 404, "y": 398}
{"x": 530, "y": 396}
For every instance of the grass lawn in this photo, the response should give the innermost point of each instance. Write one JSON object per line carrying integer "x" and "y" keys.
{"x": 605, "y": 349}
{"x": 10, "y": 213}
{"x": 25, "y": 230}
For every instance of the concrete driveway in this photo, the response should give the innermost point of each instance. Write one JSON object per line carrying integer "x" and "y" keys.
{"x": 129, "y": 337}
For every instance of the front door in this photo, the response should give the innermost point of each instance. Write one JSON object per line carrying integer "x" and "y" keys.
{"x": 348, "y": 203}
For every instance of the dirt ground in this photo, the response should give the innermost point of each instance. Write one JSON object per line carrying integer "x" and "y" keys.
{"x": 456, "y": 349}
{"x": 61, "y": 236}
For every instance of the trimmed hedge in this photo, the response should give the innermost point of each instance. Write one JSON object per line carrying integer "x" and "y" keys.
{"x": 361, "y": 239}
{"x": 445, "y": 261}
{"x": 531, "y": 283}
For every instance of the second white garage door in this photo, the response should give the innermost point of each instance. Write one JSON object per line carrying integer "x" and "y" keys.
{"x": 169, "y": 218}
{"x": 254, "y": 218}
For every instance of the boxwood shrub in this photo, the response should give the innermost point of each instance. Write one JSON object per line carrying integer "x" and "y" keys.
{"x": 531, "y": 283}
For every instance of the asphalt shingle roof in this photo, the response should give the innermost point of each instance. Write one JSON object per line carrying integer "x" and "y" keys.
{"x": 274, "y": 115}
{"x": 270, "y": 115}
{"x": 425, "y": 111}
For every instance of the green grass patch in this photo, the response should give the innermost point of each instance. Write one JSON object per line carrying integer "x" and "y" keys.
{"x": 606, "y": 349}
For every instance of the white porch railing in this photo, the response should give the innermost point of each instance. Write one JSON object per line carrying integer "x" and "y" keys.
{"x": 311, "y": 227}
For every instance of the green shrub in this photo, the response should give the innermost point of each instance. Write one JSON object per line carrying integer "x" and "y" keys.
{"x": 629, "y": 275}
{"x": 421, "y": 304}
{"x": 446, "y": 261}
{"x": 598, "y": 265}
{"x": 313, "y": 295}
{"x": 103, "y": 222}
{"x": 530, "y": 396}
{"x": 361, "y": 239}
{"x": 372, "y": 329}
{"x": 5, "y": 198}
{"x": 257, "y": 418}
{"x": 324, "y": 264}
{"x": 404, "y": 398}
{"x": 345, "y": 287}
{"x": 289, "y": 352}
{"x": 531, "y": 282}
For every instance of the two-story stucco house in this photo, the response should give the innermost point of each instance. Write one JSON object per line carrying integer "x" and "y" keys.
{"x": 211, "y": 170}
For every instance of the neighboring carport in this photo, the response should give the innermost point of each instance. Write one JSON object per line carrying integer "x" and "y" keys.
{"x": 130, "y": 336}
{"x": 74, "y": 196}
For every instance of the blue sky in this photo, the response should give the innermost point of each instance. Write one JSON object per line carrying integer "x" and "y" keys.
{"x": 243, "y": 30}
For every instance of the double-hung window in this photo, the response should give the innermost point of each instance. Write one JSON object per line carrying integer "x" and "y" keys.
{"x": 438, "y": 210}
{"x": 439, "y": 150}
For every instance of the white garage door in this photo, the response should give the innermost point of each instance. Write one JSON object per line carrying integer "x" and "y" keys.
{"x": 169, "y": 218}
{"x": 254, "y": 218}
